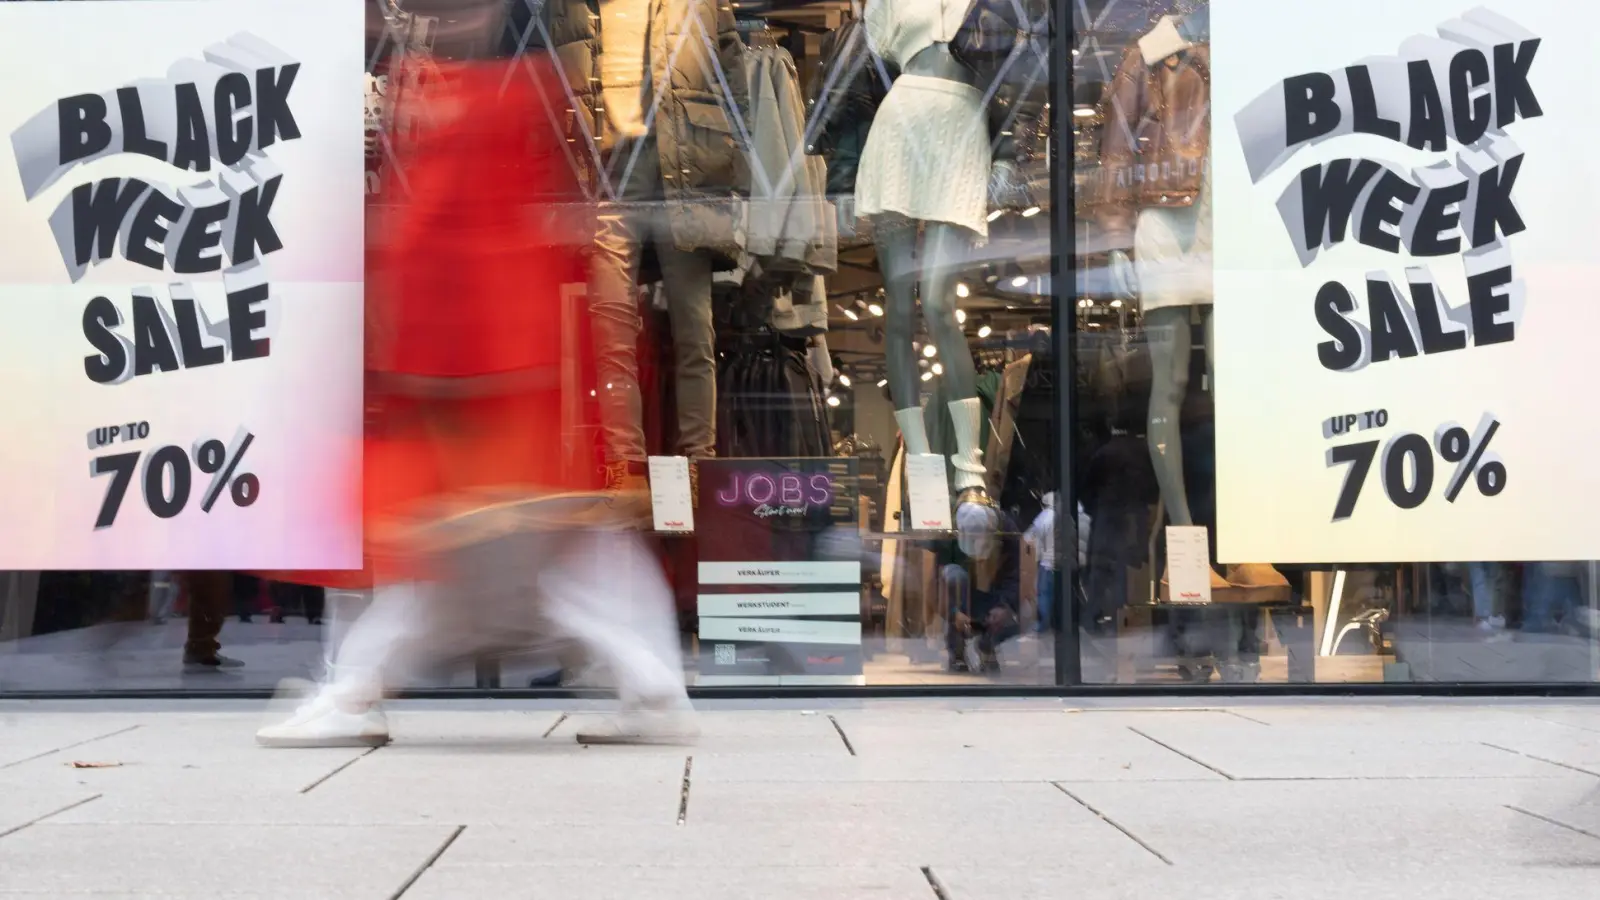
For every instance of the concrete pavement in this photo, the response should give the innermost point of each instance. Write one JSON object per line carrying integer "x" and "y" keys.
{"x": 961, "y": 800}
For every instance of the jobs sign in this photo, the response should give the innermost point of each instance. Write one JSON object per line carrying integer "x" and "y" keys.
{"x": 181, "y": 283}
{"x": 1404, "y": 281}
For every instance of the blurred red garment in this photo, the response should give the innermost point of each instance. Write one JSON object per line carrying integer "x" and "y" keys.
{"x": 478, "y": 372}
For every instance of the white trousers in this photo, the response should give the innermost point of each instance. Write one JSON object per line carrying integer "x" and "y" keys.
{"x": 601, "y": 590}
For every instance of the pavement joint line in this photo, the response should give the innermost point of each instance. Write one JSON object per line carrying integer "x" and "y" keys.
{"x": 70, "y": 746}
{"x": 552, "y": 729}
{"x": 842, "y": 736}
{"x": 1542, "y": 759}
{"x": 340, "y": 768}
{"x": 1239, "y": 715}
{"x": 1112, "y": 822}
{"x": 428, "y": 863}
{"x": 939, "y": 890}
{"x": 1552, "y": 821}
{"x": 683, "y": 795}
{"x": 1194, "y": 759}
{"x": 68, "y": 807}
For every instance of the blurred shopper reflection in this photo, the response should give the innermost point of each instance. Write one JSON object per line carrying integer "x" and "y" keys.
{"x": 209, "y": 595}
{"x": 486, "y": 526}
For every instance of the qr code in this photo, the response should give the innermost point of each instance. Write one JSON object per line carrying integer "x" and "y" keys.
{"x": 726, "y": 655}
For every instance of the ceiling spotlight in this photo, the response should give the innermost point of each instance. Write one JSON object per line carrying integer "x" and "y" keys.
{"x": 1083, "y": 112}
{"x": 883, "y": 383}
{"x": 996, "y": 214}
{"x": 1116, "y": 304}
{"x": 984, "y": 331}
{"x": 937, "y": 369}
{"x": 930, "y": 351}
{"x": 927, "y": 376}
{"x": 961, "y": 317}
{"x": 844, "y": 379}
{"x": 1085, "y": 303}
{"x": 832, "y": 400}
{"x": 962, "y": 290}
{"x": 850, "y": 314}
{"x": 1030, "y": 212}
{"x": 875, "y": 309}
{"x": 1019, "y": 281}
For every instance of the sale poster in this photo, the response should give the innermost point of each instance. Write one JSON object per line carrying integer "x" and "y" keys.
{"x": 181, "y": 191}
{"x": 1405, "y": 275}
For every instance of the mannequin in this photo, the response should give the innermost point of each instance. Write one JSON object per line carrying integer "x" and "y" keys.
{"x": 1158, "y": 201}
{"x": 926, "y": 167}
{"x": 668, "y": 180}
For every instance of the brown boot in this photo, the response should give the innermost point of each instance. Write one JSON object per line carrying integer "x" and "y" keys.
{"x": 1219, "y": 586}
{"x": 1259, "y": 583}
{"x": 629, "y": 490}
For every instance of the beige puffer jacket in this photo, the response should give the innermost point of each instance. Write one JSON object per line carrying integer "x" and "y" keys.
{"x": 698, "y": 60}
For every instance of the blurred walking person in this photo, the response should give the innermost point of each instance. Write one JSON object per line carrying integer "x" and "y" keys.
{"x": 486, "y": 525}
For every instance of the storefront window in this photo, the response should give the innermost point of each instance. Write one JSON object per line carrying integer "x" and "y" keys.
{"x": 798, "y": 310}
{"x": 1219, "y": 473}
{"x": 809, "y": 331}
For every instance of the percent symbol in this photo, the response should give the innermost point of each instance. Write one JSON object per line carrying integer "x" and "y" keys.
{"x": 213, "y": 459}
{"x": 1457, "y": 446}
{"x": 1405, "y": 467}
{"x": 167, "y": 478}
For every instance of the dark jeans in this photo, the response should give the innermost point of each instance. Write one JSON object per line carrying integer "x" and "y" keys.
{"x": 1047, "y": 599}
{"x": 1548, "y": 594}
{"x": 209, "y": 595}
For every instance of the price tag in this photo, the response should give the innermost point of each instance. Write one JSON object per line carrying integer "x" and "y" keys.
{"x": 1188, "y": 564}
{"x": 669, "y": 493}
{"x": 929, "y": 487}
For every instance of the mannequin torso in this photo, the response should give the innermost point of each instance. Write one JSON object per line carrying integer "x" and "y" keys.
{"x": 936, "y": 61}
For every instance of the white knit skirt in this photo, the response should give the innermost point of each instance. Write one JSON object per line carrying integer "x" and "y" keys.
{"x": 927, "y": 155}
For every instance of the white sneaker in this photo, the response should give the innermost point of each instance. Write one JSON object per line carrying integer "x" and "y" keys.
{"x": 1493, "y": 629}
{"x": 645, "y": 726}
{"x": 322, "y": 723}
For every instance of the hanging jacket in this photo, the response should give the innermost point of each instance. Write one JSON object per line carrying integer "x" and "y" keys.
{"x": 697, "y": 62}
{"x": 847, "y": 86}
{"x": 702, "y": 149}
{"x": 792, "y": 226}
{"x": 1157, "y": 138}
{"x": 570, "y": 30}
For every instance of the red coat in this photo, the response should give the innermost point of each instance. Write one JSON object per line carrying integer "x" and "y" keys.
{"x": 479, "y": 374}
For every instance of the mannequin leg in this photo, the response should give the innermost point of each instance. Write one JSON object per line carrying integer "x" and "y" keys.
{"x": 943, "y": 247}
{"x": 1167, "y": 331}
{"x": 897, "y": 263}
{"x": 614, "y": 308}
{"x": 687, "y": 280}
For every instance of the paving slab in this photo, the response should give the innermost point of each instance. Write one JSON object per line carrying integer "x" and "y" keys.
{"x": 791, "y": 839}
{"x": 278, "y": 861}
{"x": 1243, "y": 882}
{"x": 26, "y": 735}
{"x": 1279, "y": 826}
{"x": 1401, "y": 749}
{"x": 23, "y": 804}
{"x": 727, "y": 882}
